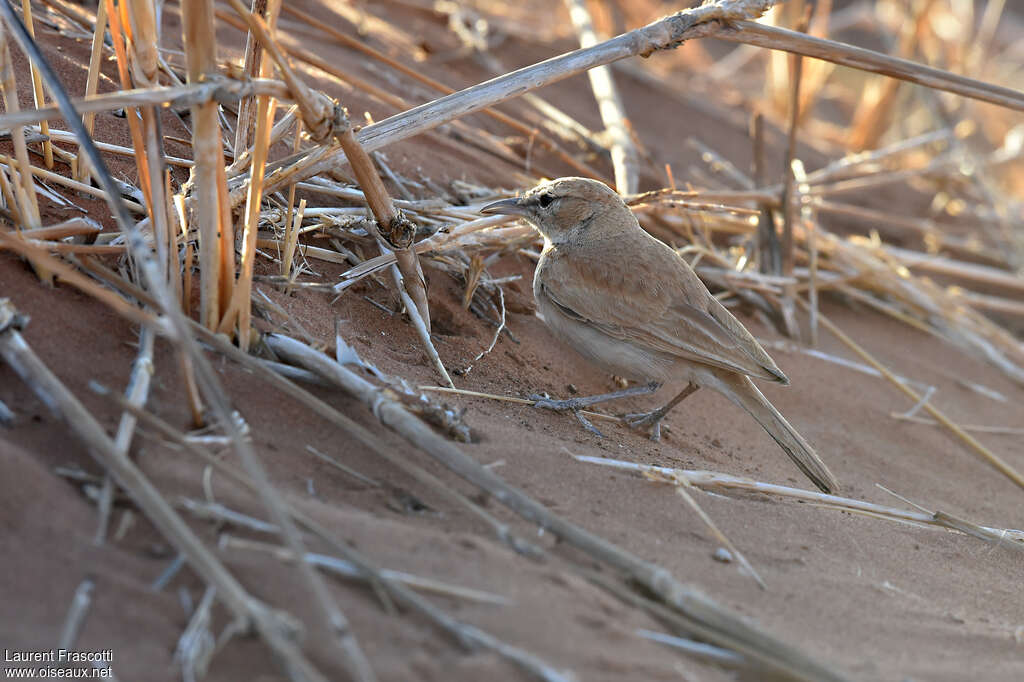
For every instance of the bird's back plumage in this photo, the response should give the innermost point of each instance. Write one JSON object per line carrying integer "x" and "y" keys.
{"x": 659, "y": 303}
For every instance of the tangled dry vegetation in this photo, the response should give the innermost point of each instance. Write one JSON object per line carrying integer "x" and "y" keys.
{"x": 189, "y": 256}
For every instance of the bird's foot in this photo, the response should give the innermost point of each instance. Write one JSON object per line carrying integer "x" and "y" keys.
{"x": 573, "y": 405}
{"x": 549, "y": 403}
{"x": 651, "y": 420}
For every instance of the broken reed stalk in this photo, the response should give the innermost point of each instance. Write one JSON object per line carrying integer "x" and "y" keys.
{"x": 144, "y": 60}
{"x": 92, "y": 81}
{"x": 240, "y": 306}
{"x": 121, "y": 34}
{"x": 213, "y": 214}
{"x": 704, "y": 616}
{"x": 24, "y": 187}
{"x": 997, "y": 462}
{"x": 252, "y": 66}
{"x": 609, "y": 103}
{"x": 206, "y": 378}
{"x": 61, "y": 401}
{"x": 38, "y": 96}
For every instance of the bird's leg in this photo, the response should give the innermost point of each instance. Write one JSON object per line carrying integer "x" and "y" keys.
{"x": 580, "y": 403}
{"x": 654, "y": 417}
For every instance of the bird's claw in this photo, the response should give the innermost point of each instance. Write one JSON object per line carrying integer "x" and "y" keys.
{"x": 646, "y": 419}
{"x": 573, "y": 405}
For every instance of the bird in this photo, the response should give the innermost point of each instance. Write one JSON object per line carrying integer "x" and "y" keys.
{"x": 631, "y": 305}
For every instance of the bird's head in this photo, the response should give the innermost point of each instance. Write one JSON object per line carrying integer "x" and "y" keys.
{"x": 564, "y": 210}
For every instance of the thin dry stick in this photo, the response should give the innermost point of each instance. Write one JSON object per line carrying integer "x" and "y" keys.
{"x": 833, "y": 51}
{"x": 718, "y": 534}
{"x": 291, "y": 235}
{"x": 215, "y": 89}
{"x": 613, "y": 113}
{"x": 240, "y": 305}
{"x": 121, "y": 32}
{"x": 92, "y": 81}
{"x": 510, "y": 399}
{"x": 119, "y": 150}
{"x": 251, "y": 67}
{"x": 136, "y": 394}
{"x": 77, "y": 612}
{"x": 810, "y": 228}
{"x": 979, "y": 428}
{"x": 145, "y": 62}
{"x": 786, "y": 199}
{"x": 348, "y": 570}
{"x": 291, "y": 228}
{"x": 1000, "y": 465}
{"x": 55, "y": 395}
{"x": 37, "y": 84}
{"x": 704, "y": 616}
{"x": 714, "y": 480}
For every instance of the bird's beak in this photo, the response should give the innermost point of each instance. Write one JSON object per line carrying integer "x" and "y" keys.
{"x": 505, "y": 207}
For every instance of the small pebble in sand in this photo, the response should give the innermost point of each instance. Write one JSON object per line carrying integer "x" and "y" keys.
{"x": 723, "y": 555}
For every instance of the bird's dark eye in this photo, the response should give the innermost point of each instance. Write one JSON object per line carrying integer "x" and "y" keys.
{"x": 545, "y": 200}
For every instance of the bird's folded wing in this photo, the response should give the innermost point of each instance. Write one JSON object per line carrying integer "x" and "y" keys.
{"x": 671, "y": 311}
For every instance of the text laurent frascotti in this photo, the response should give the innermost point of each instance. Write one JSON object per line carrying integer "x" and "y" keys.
{"x": 58, "y": 656}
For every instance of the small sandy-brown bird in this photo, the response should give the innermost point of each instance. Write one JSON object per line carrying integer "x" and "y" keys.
{"x": 628, "y": 302}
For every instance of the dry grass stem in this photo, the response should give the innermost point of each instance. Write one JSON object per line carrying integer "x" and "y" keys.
{"x": 862, "y": 59}
{"x": 136, "y": 393}
{"x": 714, "y": 480}
{"x": 349, "y": 570}
{"x": 609, "y": 103}
{"x": 718, "y": 534}
{"x": 216, "y": 235}
{"x": 81, "y": 166}
{"x": 24, "y": 187}
{"x": 77, "y": 612}
{"x": 37, "y": 83}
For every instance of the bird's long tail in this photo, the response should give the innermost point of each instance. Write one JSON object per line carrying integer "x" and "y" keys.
{"x": 742, "y": 391}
